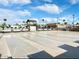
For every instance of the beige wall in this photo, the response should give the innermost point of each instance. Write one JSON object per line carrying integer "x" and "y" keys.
{"x": 61, "y": 26}
{"x": 32, "y": 28}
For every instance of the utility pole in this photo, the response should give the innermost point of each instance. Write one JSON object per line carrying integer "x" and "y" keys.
{"x": 57, "y": 22}
{"x": 73, "y": 19}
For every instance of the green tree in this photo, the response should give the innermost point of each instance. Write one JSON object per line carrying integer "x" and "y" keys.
{"x": 3, "y": 25}
{"x": 64, "y": 20}
{"x": 8, "y": 26}
{"x": 77, "y": 23}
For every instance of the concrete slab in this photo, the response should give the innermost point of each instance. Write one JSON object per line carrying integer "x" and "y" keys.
{"x": 26, "y": 43}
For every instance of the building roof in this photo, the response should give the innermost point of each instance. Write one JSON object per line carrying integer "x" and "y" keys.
{"x": 52, "y": 25}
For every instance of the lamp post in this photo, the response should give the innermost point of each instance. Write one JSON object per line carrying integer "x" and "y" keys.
{"x": 73, "y": 19}
{"x": 57, "y": 22}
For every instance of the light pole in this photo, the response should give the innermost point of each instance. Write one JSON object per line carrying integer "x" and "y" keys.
{"x": 57, "y": 22}
{"x": 73, "y": 19}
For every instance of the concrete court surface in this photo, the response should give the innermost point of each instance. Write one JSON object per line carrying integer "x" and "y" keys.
{"x": 40, "y": 44}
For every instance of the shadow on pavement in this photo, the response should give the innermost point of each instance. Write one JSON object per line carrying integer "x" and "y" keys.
{"x": 72, "y": 52}
{"x": 40, "y": 55}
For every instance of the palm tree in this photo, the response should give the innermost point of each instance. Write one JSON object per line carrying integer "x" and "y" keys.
{"x": 65, "y": 23}
{"x": 43, "y": 24}
{"x": 24, "y": 22}
{"x": 24, "y": 25}
{"x": 28, "y": 25}
{"x": 27, "y": 21}
{"x": 77, "y": 23}
{"x": 43, "y": 20}
{"x": 4, "y": 24}
{"x": 8, "y": 26}
{"x": 64, "y": 20}
{"x": 58, "y": 22}
{"x": 5, "y": 20}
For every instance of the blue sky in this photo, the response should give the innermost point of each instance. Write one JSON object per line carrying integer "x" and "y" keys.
{"x": 16, "y": 11}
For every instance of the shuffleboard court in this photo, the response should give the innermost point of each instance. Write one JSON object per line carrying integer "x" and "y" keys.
{"x": 41, "y": 44}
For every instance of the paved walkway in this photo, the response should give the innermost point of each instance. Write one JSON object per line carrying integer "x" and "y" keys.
{"x": 42, "y": 44}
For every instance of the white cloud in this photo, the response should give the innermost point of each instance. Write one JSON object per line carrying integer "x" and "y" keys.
{"x": 20, "y": 1}
{"x": 11, "y": 16}
{"x": 4, "y": 2}
{"x": 50, "y": 8}
{"x": 74, "y": 1}
{"x": 48, "y": 1}
{"x": 8, "y": 2}
{"x": 24, "y": 13}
